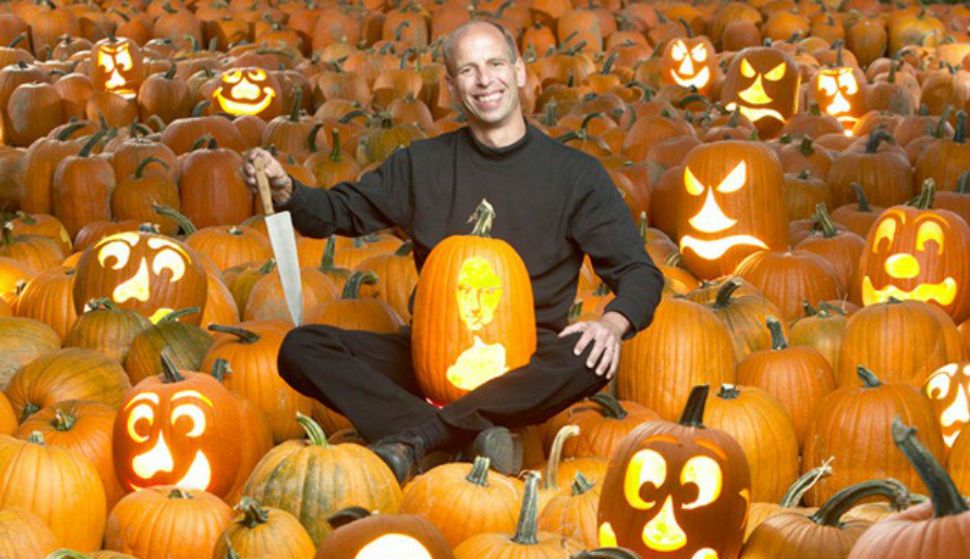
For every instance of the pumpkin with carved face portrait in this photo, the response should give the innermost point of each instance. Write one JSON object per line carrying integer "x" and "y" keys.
{"x": 117, "y": 66}
{"x": 731, "y": 204}
{"x": 247, "y": 92}
{"x": 948, "y": 389}
{"x": 179, "y": 428}
{"x": 141, "y": 271}
{"x": 839, "y": 92}
{"x": 918, "y": 253}
{"x": 359, "y": 535}
{"x": 677, "y": 490}
{"x": 691, "y": 62}
{"x": 474, "y": 315}
{"x": 763, "y": 83}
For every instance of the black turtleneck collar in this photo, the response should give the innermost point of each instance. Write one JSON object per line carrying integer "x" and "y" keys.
{"x": 504, "y": 151}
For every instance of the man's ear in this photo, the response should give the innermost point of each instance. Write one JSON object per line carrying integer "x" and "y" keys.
{"x": 450, "y": 81}
{"x": 520, "y": 72}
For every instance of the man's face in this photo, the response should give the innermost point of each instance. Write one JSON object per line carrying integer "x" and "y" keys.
{"x": 486, "y": 79}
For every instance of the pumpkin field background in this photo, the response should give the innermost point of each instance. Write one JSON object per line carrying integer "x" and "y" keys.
{"x": 801, "y": 175}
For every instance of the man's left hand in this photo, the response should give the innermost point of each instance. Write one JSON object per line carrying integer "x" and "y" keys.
{"x": 606, "y": 335}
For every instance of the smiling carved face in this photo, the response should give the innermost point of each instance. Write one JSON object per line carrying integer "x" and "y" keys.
{"x": 690, "y": 62}
{"x": 763, "y": 84}
{"x": 948, "y": 389}
{"x": 838, "y": 92}
{"x": 247, "y": 91}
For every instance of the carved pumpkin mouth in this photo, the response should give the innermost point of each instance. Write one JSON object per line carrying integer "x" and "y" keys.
{"x": 712, "y": 250}
{"x": 393, "y": 545}
{"x": 253, "y": 107}
{"x": 159, "y": 459}
{"x": 754, "y": 114}
{"x": 698, "y": 80}
{"x": 943, "y": 292}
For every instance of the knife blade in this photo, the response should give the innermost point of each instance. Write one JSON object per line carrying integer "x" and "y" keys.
{"x": 282, "y": 239}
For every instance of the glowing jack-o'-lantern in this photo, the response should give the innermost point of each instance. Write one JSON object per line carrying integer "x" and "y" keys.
{"x": 142, "y": 271}
{"x": 473, "y": 317}
{"x": 676, "y": 490}
{"x": 948, "y": 389}
{"x": 763, "y": 83}
{"x": 247, "y": 91}
{"x": 690, "y": 62}
{"x": 179, "y": 428}
{"x": 731, "y": 205}
{"x": 838, "y": 92}
{"x": 358, "y": 535}
{"x": 920, "y": 254}
{"x": 117, "y": 66}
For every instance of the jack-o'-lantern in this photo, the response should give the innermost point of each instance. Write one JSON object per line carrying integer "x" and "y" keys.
{"x": 179, "y": 428}
{"x": 677, "y": 490}
{"x": 248, "y": 91}
{"x": 141, "y": 271}
{"x": 918, "y": 253}
{"x": 731, "y": 205}
{"x": 948, "y": 389}
{"x": 360, "y": 535}
{"x": 763, "y": 83}
{"x": 839, "y": 92}
{"x": 117, "y": 66}
{"x": 691, "y": 62}
{"x": 473, "y": 314}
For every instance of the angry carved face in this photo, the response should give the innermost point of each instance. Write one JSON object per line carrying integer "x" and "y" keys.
{"x": 763, "y": 83}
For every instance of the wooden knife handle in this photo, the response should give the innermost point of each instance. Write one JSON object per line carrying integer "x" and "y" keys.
{"x": 262, "y": 183}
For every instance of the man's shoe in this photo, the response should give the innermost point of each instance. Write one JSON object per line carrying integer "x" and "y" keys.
{"x": 500, "y": 446}
{"x": 400, "y": 456}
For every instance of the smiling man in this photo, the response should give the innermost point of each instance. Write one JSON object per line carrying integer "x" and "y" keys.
{"x": 554, "y": 204}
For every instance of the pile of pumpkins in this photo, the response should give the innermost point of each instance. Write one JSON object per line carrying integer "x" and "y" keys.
{"x": 801, "y": 175}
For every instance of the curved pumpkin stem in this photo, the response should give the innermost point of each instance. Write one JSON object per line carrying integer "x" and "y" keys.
{"x": 724, "y": 293}
{"x": 479, "y": 472}
{"x": 824, "y": 220}
{"x": 179, "y": 493}
{"x": 92, "y": 141}
{"x": 611, "y": 407}
{"x": 174, "y": 316}
{"x": 876, "y": 138}
{"x": 245, "y": 336}
{"x": 926, "y": 196}
{"x": 352, "y": 287}
{"x": 221, "y": 369}
{"x": 805, "y": 482}
{"x": 960, "y": 134}
{"x": 551, "y": 480}
{"x": 145, "y": 162}
{"x": 693, "y": 415}
{"x": 64, "y": 420}
{"x": 347, "y": 515}
{"x": 778, "y": 340}
{"x": 254, "y": 513}
{"x": 944, "y": 494}
{"x": 406, "y": 248}
{"x": 185, "y": 224}
{"x": 805, "y": 147}
{"x": 314, "y": 432}
{"x": 830, "y": 513}
{"x": 335, "y": 152}
{"x": 860, "y": 195}
{"x": 170, "y": 371}
{"x": 581, "y": 485}
{"x": 868, "y": 378}
{"x": 482, "y": 217}
{"x": 526, "y": 532}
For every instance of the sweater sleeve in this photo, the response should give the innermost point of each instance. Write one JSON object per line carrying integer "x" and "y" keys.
{"x": 380, "y": 199}
{"x": 602, "y": 227}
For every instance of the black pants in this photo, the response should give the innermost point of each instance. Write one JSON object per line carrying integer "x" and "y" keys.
{"x": 369, "y": 378}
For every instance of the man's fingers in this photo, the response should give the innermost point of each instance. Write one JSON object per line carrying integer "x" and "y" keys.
{"x": 599, "y": 347}
{"x": 576, "y": 327}
{"x": 583, "y": 342}
{"x": 616, "y": 362}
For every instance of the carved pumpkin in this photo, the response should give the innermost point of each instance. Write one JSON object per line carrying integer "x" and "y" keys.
{"x": 763, "y": 83}
{"x": 473, "y": 293}
{"x": 691, "y": 62}
{"x": 142, "y": 271}
{"x": 948, "y": 389}
{"x": 731, "y": 204}
{"x": 248, "y": 91}
{"x": 839, "y": 93}
{"x": 117, "y": 66}
{"x": 677, "y": 490}
{"x": 361, "y": 535}
{"x": 917, "y": 253}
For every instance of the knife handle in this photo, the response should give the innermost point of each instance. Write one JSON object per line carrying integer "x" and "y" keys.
{"x": 262, "y": 183}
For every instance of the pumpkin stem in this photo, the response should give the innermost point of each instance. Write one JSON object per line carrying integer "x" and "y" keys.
{"x": 92, "y": 141}
{"x": 352, "y": 287}
{"x": 824, "y": 221}
{"x": 36, "y": 437}
{"x": 960, "y": 135}
{"x": 860, "y": 195}
{"x": 611, "y": 407}
{"x": 64, "y": 420}
{"x": 199, "y": 107}
{"x": 68, "y": 131}
{"x": 335, "y": 152}
{"x": 254, "y": 514}
{"x": 406, "y": 248}
{"x": 176, "y": 315}
{"x": 145, "y": 162}
{"x": 876, "y": 138}
{"x": 67, "y": 554}
{"x": 551, "y": 480}
{"x": 220, "y": 369}
{"x": 479, "y": 472}
{"x": 245, "y": 336}
{"x": 687, "y": 27}
{"x": 724, "y": 293}
{"x": 347, "y": 515}
{"x": 575, "y": 311}
{"x": 778, "y": 340}
{"x": 482, "y": 217}
{"x": 185, "y": 224}
{"x": 946, "y": 498}
{"x": 170, "y": 371}
{"x": 179, "y": 493}
{"x": 693, "y": 415}
{"x": 313, "y": 430}
{"x": 941, "y": 124}
{"x": 528, "y": 527}
{"x": 805, "y": 482}
{"x": 868, "y": 378}
{"x": 926, "y": 196}
{"x": 830, "y": 513}
{"x": 963, "y": 183}
{"x": 729, "y": 392}
{"x": 581, "y": 485}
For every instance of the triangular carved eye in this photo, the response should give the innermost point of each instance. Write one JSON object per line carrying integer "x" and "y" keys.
{"x": 679, "y": 51}
{"x": 693, "y": 186}
{"x": 699, "y": 53}
{"x": 735, "y": 179}
{"x": 777, "y": 72}
{"x": 747, "y": 70}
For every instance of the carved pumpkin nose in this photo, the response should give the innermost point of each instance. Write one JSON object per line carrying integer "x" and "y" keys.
{"x": 687, "y": 66}
{"x": 838, "y": 105}
{"x": 246, "y": 90}
{"x": 663, "y": 533}
{"x": 755, "y": 94}
{"x": 902, "y": 266}
{"x": 158, "y": 459}
{"x": 711, "y": 219}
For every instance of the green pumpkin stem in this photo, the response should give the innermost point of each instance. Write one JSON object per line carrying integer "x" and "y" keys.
{"x": 860, "y": 195}
{"x": 942, "y": 122}
{"x": 68, "y": 131}
{"x": 314, "y": 432}
{"x": 868, "y": 378}
{"x": 64, "y": 420}
{"x": 335, "y": 151}
{"x": 100, "y": 304}
{"x": 179, "y": 493}
{"x": 174, "y": 316}
{"x": 182, "y": 220}
{"x": 876, "y": 138}
{"x": 611, "y": 407}
{"x": 479, "y": 472}
{"x": 245, "y": 336}
{"x": 963, "y": 183}
{"x": 352, "y": 287}
{"x": 808, "y": 308}
{"x": 67, "y": 554}
{"x": 830, "y": 513}
{"x": 778, "y": 340}
{"x": 551, "y": 479}
{"x": 728, "y": 392}
{"x": 92, "y": 141}
{"x": 254, "y": 515}
{"x": 36, "y": 437}
{"x": 145, "y": 162}
{"x": 526, "y": 533}
{"x": 824, "y": 221}
{"x": 806, "y": 481}
{"x": 581, "y": 485}
{"x": 170, "y": 371}
{"x": 960, "y": 134}
{"x": 482, "y": 217}
{"x": 944, "y": 494}
{"x": 927, "y": 195}
{"x": 693, "y": 415}
{"x": 724, "y": 293}
{"x": 406, "y": 248}
{"x": 297, "y": 105}
{"x": 347, "y": 515}
{"x": 220, "y": 369}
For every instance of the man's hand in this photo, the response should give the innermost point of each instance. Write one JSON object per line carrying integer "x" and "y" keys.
{"x": 606, "y": 335}
{"x": 280, "y": 184}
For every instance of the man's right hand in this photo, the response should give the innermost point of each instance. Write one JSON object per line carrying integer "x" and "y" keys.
{"x": 280, "y": 183}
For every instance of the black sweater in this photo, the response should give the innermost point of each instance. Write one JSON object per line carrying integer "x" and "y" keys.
{"x": 552, "y": 204}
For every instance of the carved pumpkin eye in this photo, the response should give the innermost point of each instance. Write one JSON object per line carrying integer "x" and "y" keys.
{"x": 646, "y": 466}
{"x": 679, "y": 51}
{"x": 848, "y": 83}
{"x": 777, "y": 72}
{"x": 885, "y": 230}
{"x": 256, "y": 75}
{"x": 139, "y": 413}
{"x": 929, "y": 231}
{"x": 123, "y": 59}
{"x": 735, "y": 179}
{"x": 747, "y": 70}
{"x": 232, "y": 77}
{"x": 828, "y": 85}
{"x": 938, "y": 386}
{"x": 699, "y": 53}
{"x": 705, "y": 473}
{"x": 195, "y": 416}
{"x": 693, "y": 186}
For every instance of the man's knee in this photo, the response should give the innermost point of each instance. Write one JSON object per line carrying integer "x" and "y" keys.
{"x": 300, "y": 352}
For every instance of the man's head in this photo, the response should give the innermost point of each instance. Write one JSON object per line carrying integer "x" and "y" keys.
{"x": 485, "y": 72}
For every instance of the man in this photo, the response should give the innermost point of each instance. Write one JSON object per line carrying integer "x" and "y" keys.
{"x": 553, "y": 203}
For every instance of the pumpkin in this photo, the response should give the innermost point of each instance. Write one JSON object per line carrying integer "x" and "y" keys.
{"x": 484, "y": 284}
{"x": 354, "y": 312}
{"x": 397, "y": 277}
{"x": 677, "y": 488}
{"x": 259, "y": 530}
{"x": 603, "y": 421}
{"x": 841, "y": 249}
{"x": 763, "y": 83}
{"x": 23, "y": 340}
{"x": 948, "y": 389}
{"x": 8, "y": 421}
{"x": 360, "y": 535}
{"x": 312, "y": 479}
{"x": 788, "y": 278}
{"x": 38, "y": 253}
{"x": 230, "y": 246}
{"x": 164, "y": 522}
{"x": 81, "y": 187}
{"x": 839, "y": 91}
{"x": 743, "y": 310}
{"x": 882, "y": 170}
{"x": 936, "y": 529}
{"x": 730, "y": 206}
{"x": 24, "y": 535}
{"x": 248, "y": 91}
{"x": 211, "y": 188}
{"x": 73, "y": 506}
{"x": 117, "y": 66}
{"x": 691, "y": 62}
{"x": 49, "y": 298}
{"x": 572, "y": 515}
{"x": 852, "y": 424}
{"x": 187, "y": 345}
{"x": 136, "y": 196}
{"x": 944, "y": 160}
{"x": 142, "y": 271}
{"x": 106, "y": 328}
{"x": 761, "y": 511}
{"x": 265, "y": 300}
